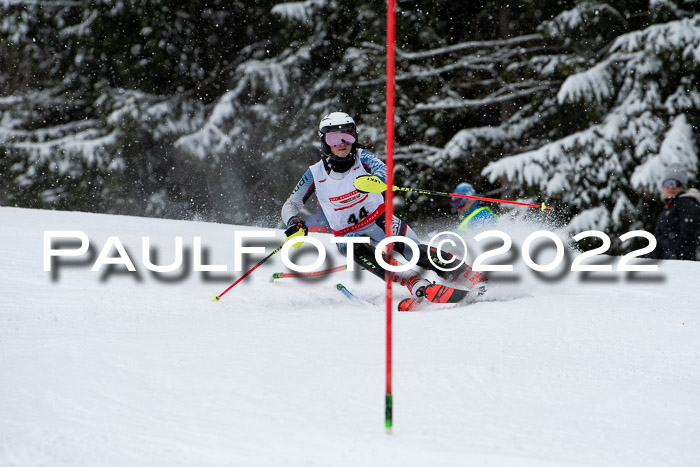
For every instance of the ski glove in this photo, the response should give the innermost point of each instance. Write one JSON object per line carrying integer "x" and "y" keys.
{"x": 296, "y": 228}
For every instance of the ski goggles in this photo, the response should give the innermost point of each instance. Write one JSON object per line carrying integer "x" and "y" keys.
{"x": 671, "y": 183}
{"x": 458, "y": 202}
{"x": 336, "y": 138}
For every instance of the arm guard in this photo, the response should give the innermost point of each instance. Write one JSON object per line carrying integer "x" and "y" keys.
{"x": 373, "y": 165}
{"x": 302, "y": 192}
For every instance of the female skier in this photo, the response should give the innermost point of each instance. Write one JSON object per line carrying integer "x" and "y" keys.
{"x": 353, "y": 213}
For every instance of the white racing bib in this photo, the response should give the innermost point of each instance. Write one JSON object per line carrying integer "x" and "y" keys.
{"x": 346, "y": 208}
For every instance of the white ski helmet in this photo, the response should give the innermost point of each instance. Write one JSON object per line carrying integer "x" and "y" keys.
{"x": 337, "y": 121}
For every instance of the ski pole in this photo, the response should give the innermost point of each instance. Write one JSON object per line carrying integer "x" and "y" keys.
{"x": 281, "y": 275}
{"x": 373, "y": 184}
{"x": 352, "y": 296}
{"x": 345, "y": 291}
{"x": 218, "y": 297}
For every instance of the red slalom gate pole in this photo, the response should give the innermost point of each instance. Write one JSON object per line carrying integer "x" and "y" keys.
{"x": 389, "y": 198}
{"x": 282, "y": 275}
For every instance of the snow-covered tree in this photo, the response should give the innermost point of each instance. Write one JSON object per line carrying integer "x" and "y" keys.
{"x": 106, "y": 87}
{"x": 208, "y": 104}
{"x": 640, "y": 102}
{"x": 210, "y": 107}
{"x": 597, "y": 143}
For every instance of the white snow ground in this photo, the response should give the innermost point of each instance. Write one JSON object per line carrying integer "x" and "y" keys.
{"x": 122, "y": 370}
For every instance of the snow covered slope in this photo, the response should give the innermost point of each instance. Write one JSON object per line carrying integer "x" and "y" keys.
{"x": 115, "y": 368}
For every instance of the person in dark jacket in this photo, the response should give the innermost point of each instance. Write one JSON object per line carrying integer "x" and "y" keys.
{"x": 678, "y": 225}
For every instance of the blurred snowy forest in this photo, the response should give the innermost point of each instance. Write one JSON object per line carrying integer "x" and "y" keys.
{"x": 209, "y": 109}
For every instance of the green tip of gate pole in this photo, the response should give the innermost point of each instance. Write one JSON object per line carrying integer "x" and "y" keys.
{"x": 274, "y": 276}
{"x": 388, "y": 414}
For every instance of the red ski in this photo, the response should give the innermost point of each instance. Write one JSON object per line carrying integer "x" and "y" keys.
{"x": 438, "y": 293}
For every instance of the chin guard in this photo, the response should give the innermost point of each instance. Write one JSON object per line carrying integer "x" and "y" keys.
{"x": 339, "y": 164}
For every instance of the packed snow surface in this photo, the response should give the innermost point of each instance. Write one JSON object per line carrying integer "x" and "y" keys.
{"x": 122, "y": 368}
